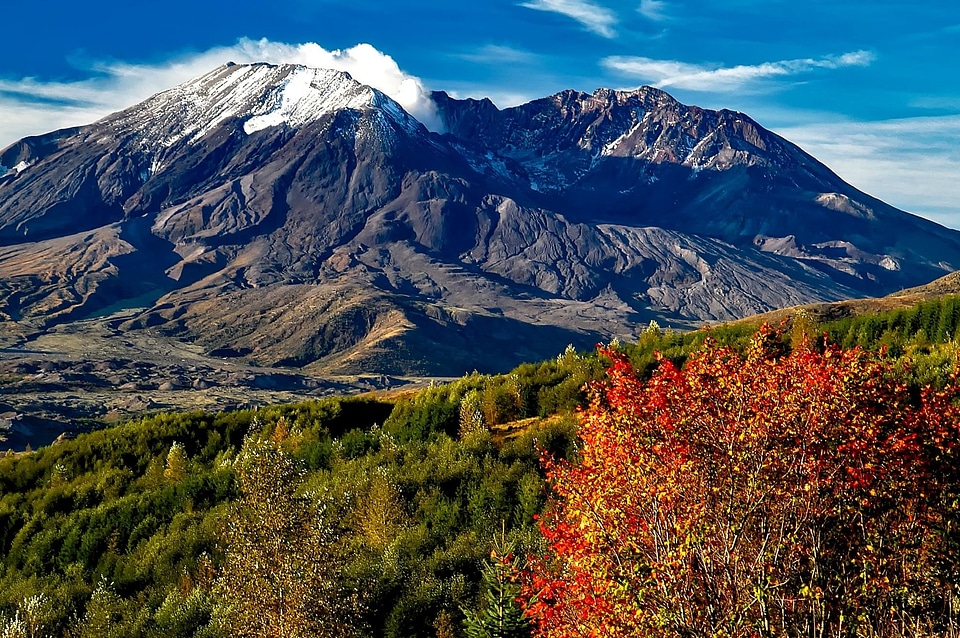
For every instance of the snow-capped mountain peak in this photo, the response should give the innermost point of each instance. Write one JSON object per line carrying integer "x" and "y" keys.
{"x": 259, "y": 95}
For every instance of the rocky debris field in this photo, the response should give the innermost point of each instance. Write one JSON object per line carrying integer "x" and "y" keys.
{"x": 70, "y": 379}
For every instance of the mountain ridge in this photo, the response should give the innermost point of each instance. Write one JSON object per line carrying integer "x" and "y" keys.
{"x": 571, "y": 219}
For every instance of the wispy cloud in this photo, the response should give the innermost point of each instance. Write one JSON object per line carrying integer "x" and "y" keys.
{"x": 941, "y": 102}
{"x": 499, "y": 54}
{"x": 701, "y": 77}
{"x": 653, "y": 10}
{"x": 593, "y": 17}
{"x": 912, "y": 163}
{"x": 29, "y": 106}
{"x": 503, "y": 99}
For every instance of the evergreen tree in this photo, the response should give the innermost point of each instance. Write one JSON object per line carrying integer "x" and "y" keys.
{"x": 178, "y": 464}
{"x": 499, "y": 615}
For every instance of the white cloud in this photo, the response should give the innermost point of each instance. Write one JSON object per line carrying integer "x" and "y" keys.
{"x": 698, "y": 77}
{"x": 913, "y": 163}
{"x": 30, "y": 107}
{"x": 503, "y": 99}
{"x": 499, "y": 54}
{"x": 653, "y": 10}
{"x": 595, "y": 18}
{"x": 942, "y": 102}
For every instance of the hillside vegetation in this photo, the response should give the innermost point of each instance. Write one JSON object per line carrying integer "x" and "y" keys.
{"x": 372, "y": 516}
{"x": 133, "y": 530}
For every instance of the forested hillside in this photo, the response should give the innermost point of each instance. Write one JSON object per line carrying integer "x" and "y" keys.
{"x": 381, "y": 512}
{"x": 414, "y": 515}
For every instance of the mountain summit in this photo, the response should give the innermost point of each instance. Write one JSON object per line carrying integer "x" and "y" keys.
{"x": 292, "y": 216}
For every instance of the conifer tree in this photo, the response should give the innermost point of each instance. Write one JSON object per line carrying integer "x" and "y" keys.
{"x": 178, "y": 464}
{"x": 499, "y": 615}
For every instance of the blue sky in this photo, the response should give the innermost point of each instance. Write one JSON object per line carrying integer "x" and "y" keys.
{"x": 872, "y": 88}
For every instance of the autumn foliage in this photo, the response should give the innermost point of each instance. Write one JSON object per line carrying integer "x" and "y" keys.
{"x": 809, "y": 493}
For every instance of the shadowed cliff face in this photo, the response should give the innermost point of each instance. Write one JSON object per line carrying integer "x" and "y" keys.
{"x": 345, "y": 236}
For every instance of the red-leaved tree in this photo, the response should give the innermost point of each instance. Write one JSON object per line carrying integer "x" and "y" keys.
{"x": 763, "y": 494}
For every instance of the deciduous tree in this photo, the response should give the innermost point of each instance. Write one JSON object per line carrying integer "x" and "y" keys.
{"x": 764, "y": 494}
{"x": 283, "y": 574}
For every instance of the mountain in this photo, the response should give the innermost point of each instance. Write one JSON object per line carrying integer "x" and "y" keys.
{"x": 291, "y": 216}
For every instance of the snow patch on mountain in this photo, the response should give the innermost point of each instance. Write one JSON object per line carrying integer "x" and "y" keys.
{"x": 306, "y": 95}
{"x": 889, "y": 263}
{"x": 18, "y": 168}
{"x": 387, "y": 105}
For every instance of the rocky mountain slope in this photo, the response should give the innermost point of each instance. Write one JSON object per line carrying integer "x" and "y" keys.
{"x": 292, "y": 216}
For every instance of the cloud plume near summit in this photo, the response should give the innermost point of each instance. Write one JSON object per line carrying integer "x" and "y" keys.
{"x": 29, "y": 106}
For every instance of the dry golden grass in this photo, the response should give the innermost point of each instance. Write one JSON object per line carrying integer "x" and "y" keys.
{"x": 823, "y": 312}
